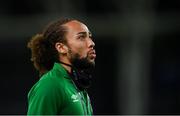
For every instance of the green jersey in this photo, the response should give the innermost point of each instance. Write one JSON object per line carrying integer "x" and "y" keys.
{"x": 56, "y": 93}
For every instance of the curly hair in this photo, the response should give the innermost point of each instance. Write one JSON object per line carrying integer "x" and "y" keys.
{"x": 42, "y": 46}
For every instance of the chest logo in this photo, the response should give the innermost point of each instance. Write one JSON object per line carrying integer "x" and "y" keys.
{"x": 75, "y": 97}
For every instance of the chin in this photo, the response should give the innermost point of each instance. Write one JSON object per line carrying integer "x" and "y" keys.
{"x": 92, "y": 62}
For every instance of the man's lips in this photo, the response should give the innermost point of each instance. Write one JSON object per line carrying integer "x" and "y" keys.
{"x": 92, "y": 54}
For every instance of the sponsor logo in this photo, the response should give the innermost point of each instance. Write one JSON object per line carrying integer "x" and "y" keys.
{"x": 75, "y": 97}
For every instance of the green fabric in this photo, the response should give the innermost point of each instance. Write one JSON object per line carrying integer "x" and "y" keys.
{"x": 55, "y": 93}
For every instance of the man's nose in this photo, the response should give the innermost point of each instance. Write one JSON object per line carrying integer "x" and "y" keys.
{"x": 91, "y": 43}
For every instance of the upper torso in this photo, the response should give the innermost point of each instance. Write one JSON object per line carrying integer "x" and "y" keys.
{"x": 55, "y": 93}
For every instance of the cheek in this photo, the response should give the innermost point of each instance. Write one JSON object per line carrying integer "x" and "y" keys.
{"x": 81, "y": 50}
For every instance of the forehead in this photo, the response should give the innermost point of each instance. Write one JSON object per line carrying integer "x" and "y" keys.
{"x": 76, "y": 26}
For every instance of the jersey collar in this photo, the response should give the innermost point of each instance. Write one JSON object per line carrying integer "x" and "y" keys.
{"x": 62, "y": 72}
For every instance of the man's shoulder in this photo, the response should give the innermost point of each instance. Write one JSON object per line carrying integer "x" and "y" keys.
{"x": 46, "y": 85}
{"x": 50, "y": 80}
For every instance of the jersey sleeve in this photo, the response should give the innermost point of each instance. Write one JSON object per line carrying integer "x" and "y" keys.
{"x": 45, "y": 99}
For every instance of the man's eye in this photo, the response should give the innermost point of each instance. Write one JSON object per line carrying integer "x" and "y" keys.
{"x": 82, "y": 37}
{"x": 91, "y": 37}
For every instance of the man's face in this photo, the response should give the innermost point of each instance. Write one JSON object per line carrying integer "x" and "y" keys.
{"x": 81, "y": 52}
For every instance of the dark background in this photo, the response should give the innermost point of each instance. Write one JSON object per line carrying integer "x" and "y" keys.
{"x": 137, "y": 43}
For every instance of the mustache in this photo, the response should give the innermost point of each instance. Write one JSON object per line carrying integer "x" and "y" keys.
{"x": 93, "y": 51}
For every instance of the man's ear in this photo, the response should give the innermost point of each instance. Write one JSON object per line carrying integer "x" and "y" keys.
{"x": 61, "y": 48}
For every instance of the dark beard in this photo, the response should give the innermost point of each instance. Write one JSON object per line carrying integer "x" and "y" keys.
{"x": 82, "y": 63}
{"x": 83, "y": 69}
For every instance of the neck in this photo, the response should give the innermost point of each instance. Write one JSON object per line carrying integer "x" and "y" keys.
{"x": 65, "y": 63}
{"x": 67, "y": 66}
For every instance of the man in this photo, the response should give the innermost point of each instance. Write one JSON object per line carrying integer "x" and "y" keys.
{"x": 64, "y": 55}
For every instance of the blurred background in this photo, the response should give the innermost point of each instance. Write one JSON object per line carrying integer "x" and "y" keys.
{"x": 137, "y": 43}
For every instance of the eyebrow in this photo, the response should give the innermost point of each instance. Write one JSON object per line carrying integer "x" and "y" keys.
{"x": 84, "y": 33}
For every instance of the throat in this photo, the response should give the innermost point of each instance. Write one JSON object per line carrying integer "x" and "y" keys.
{"x": 67, "y": 66}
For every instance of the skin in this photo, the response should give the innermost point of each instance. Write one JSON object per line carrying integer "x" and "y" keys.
{"x": 79, "y": 42}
